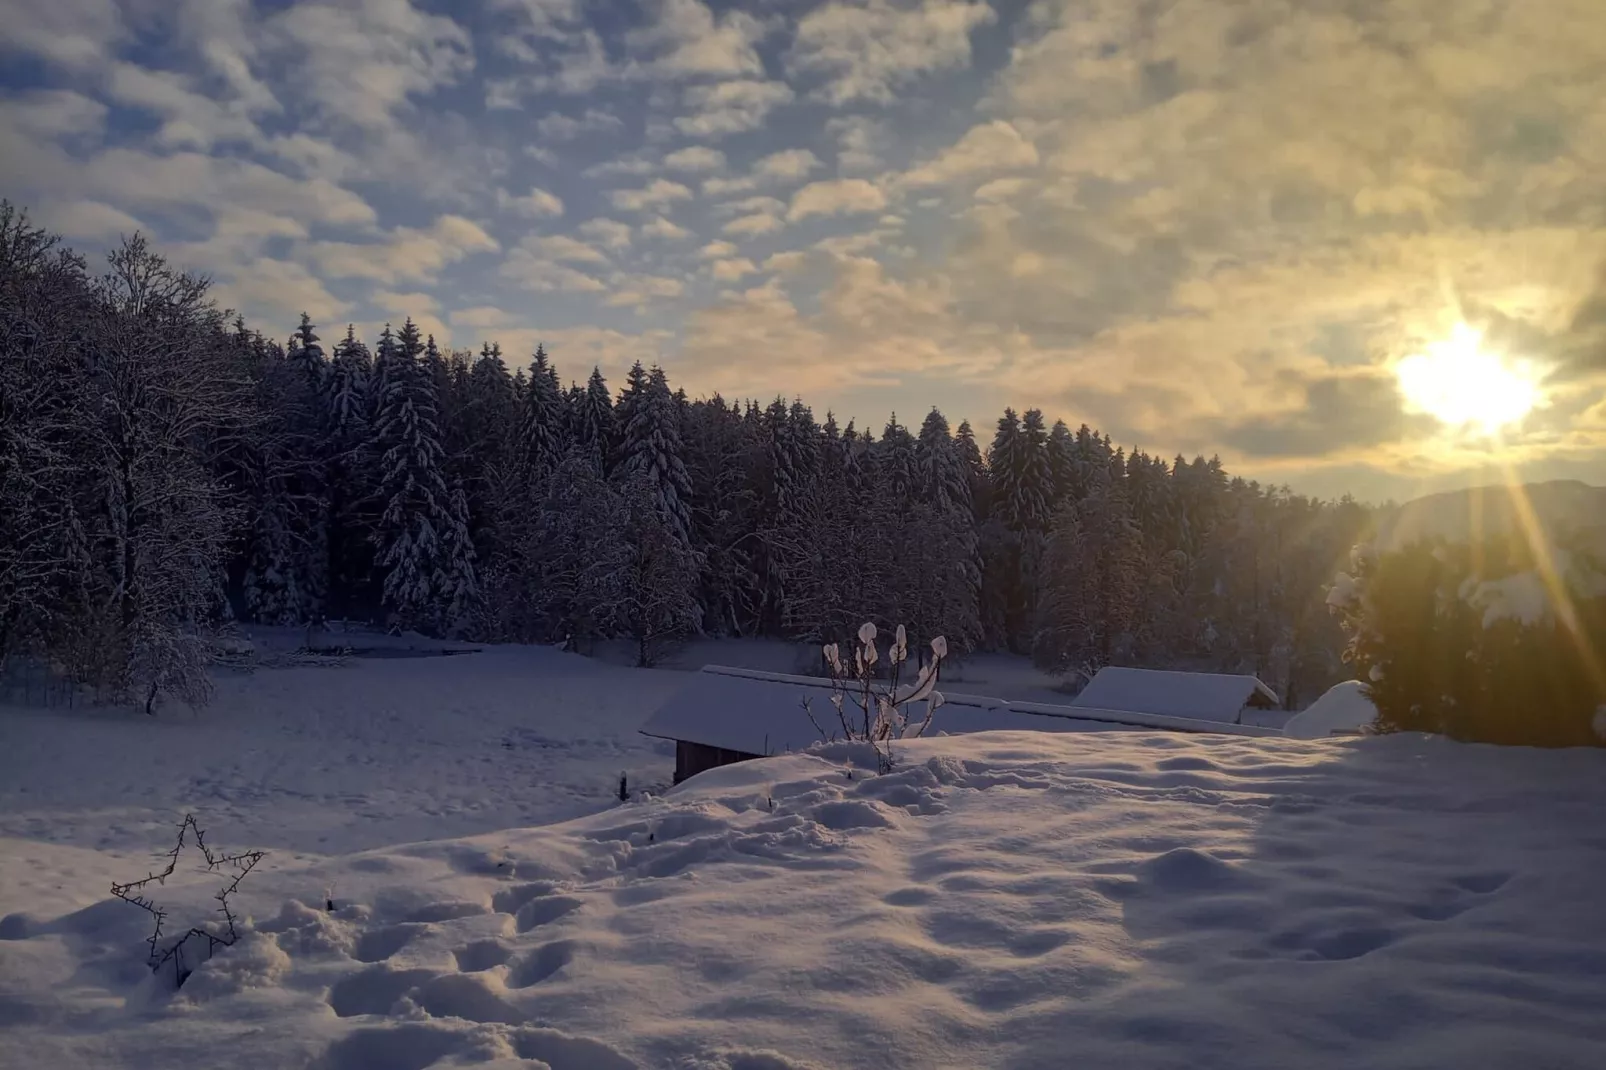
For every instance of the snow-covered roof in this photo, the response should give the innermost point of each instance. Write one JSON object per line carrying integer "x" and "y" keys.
{"x": 1201, "y": 696}
{"x": 1047, "y": 717}
{"x": 1342, "y": 710}
{"x": 762, "y": 713}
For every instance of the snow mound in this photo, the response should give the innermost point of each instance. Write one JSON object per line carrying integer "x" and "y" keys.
{"x": 1343, "y": 709}
{"x": 1143, "y": 899}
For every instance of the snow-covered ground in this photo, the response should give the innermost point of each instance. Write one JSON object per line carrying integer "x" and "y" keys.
{"x": 1018, "y": 900}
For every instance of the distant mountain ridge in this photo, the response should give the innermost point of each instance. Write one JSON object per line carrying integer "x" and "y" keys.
{"x": 1559, "y": 506}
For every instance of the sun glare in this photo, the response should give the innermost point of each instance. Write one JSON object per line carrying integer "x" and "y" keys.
{"x": 1462, "y": 385}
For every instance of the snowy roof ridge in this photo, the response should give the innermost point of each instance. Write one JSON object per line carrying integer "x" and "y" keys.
{"x": 1140, "y": 718}
{"x": 1173, "y": 693}
{"x": 743, "y": 710}
{"x": 950, "y": 698}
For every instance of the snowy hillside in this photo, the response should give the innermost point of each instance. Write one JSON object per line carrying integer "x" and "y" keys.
{"x": 1480, "y": 512}
{"x": 1008, "y": 900}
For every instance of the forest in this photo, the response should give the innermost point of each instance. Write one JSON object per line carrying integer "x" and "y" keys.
{"x": 166, "y": 469}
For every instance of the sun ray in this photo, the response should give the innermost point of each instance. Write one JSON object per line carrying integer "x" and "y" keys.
{"x": 1555, "y": 584}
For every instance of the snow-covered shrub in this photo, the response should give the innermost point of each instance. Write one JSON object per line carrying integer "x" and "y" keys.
{"x": 880, "y": 711}
{"x": 1494, "y": 642}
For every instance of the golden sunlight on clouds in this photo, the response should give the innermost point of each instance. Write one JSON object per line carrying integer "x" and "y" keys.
{"x": 1460, "y": 383}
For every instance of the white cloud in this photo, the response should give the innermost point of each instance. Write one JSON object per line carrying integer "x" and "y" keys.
{"x": 128, "y": 176}
{"x": 422, "y": 308}
{"x": 732, "y": 270}
{"x": 753, "y": 225}
{"x": 611, "y": 233}
{"x": 537, "y": 273}
{"x": 639, "y": 290}
{"x": 687, "y": 40}
{"x": 716, "y": 249}
{"x": 730, "y": 107}
{"x": 190, "y": 119}
{"x": 90, "y": 220}
{"x": 623, "y": 165}
{"x": 856, "y": 138}
{"x": 405, "y": 254}
{"x": 695, "y": 158}
{"x": 278, "y": 291}
{"x": 868, "y": 49}
{"x": 563, "y": 247}
{"x": 541, "y": 19}
{"x": 665, "y": 229}
{"x": 76, "y": 34}
{"x": 840, "y": 196}
{"x": 556, "y": 126}
{"x": 536, "y": 204}
{"x": 361, "y": 62}
{"x": 750, "y": 204}
{"x": 1002, "y": 189}
{"x": 984, "y": 149}
{"x": 54, "y": 113}
{"x": 786, "y": 165}
{"x": 481, "y": 316}
{"x": 786, "y": 262}
{"x": 658, "y": 194}
{"x": 723, "y": 187}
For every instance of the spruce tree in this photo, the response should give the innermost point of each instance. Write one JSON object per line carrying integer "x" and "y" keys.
{"x": 594, "y": 421}
{"x": 657, "y": 602}
{"x": 1094, "y": 582}
{"x": 543, "y": 424}
{"x": 651, "y": 448}
{"x": 413, "y": 538}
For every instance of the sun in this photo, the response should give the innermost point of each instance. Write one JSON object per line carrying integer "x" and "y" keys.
{"x": 1463, "y": 385}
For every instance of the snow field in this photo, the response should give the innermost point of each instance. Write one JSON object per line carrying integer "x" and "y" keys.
{"x": 324, "y": 760}
{"x": 1010, "y": 900}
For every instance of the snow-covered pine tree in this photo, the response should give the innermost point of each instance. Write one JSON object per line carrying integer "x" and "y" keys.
{"x": 306, "y": 355}
{"x": 416, "y": 507}
{"x": 1063, "y": 482}
{"x": 349, "y": 476}
{"x": 578, "y": 556}
{"x": 651, "y": 447}
{"x": 457, "y": 585}
{"x": 541, "y": 438}
{"x": 940, "y": 545}
{"x": 719, "y": 455}
{"x": 657, "y": 599}
{"x": 1034, "y": 483}
{"x": 1093, "y": 583}
{"x": 593, "y": 421}
{"x": 280, "y": 465}
{"x": 975, "y": 469}
{"x": 437, "y": 367}
{"x": 489, "y": 414}
{"x": 899, "y": 465}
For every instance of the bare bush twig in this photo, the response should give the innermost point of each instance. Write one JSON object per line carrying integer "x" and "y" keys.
{"x": 132, "y": 892}
{"x": 882, "y": 711}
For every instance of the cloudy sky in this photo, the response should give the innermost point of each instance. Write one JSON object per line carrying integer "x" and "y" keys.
{"x": 1200, "y": 225}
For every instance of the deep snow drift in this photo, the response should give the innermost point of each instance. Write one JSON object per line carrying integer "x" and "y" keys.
{"x": 1127, "y": 899}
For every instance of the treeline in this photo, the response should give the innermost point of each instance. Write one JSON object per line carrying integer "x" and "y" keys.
{"x": 163, "y": 468}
